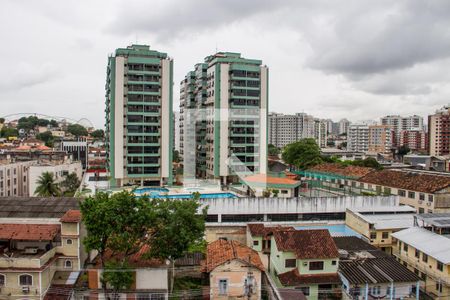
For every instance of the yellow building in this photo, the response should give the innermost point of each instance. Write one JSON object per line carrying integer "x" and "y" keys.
{"x": 428, "y": 255}
{"x": 377, "y": 225}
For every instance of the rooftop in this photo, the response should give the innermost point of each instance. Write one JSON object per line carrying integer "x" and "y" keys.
{"x": 338, "y": 169}
{"x": 137, "y": 260}
{"x": 307, "y": 244}
{"x": 222, "y": 251}
{"x": 71, "y": 216}
{"x": 259, "y": 229}
{"x": 36, "y": 207}
{"x": 413, "y": 181}
{"x": 29, "y": 232}
{"x": 350, "y": 245}
{"x": 262, "y": 179}
{"x": 436, "y": 219}
{"x": 430, "y": 243}
{"x": 293, "y": 277}
{"x": 387, "y": 220}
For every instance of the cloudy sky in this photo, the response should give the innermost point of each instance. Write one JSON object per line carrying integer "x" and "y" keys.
{"x": 333, "y": 59}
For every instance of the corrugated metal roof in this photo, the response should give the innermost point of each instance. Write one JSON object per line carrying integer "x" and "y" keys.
{"x": 36, "y": 207}
{"x": 432, "y": 244}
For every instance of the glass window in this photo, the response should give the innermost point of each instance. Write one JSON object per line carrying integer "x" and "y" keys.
{"x": 440, "y": 266}
{"x": 422, "y": 196}
{"x": 290, "y": 263}
{"x": 411, "y": 195}
{"x": 333, "y": 262}
{"x": 255, "y": 243}
{"x": 2, "y": 280}
{"x": 68, "y": 264}
{"x": 430, "y": 198}
{"x": 405, "y": 247}
{"x": 316, "y": 265}
{"x": 223, "y": 286}
{"x": 373, "y": 235}
{"x": 417, "y": 253}
{"x": 424, "y": 257}
{"x": 25, "y": 279}
{"x": 69, "y": 242}
{"x": 401, "y": 193}
{"x": 385, "y": 235}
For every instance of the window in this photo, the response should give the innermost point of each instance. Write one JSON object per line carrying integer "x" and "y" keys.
{"x": 417, "y": 253}
{"x": 68, "y": 264}
{"x": 376, "y": 290}
{"x": 438, "y": 287}
{"x": 385, "y": 235}
{"x": 401, "y": 193}
{"x": 305, "y": 290}
{"x": 223, "y": 286}
{"x": 333, "y": 262}
{"x": 422, "y": 196}
{"x": 316, "y": 265}
{"x": 421, "y": 210}
{"x": 439, "y": 266}
{"x": 25, "y": 279}
{"x": 430, "y": 198}
{"x": 2, "y": 280}
{"x": 424, "y": 257}
{"x": 255, "y": 243}
{"x": 290, "y": 263}
{"x": 405, "y": 247}
{"x": 373, "y": 235}
{"x": 69, "y": 242}
{"x": 411, "y": 195}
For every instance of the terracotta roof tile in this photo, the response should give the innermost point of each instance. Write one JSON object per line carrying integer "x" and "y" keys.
{"x": 222, "y": 251}
{"x": 307, "y": 244}
{"x": 293, "y": 277}
{"x": 335, "y": 168}
{"x": 29, "y": 232}
{"x": 137, "y": 260}
{"x": 262, "y": 178}
{"x": 258, "y": 229}
{"x": 426, "y": 183}
{"x": 71, "y": 216}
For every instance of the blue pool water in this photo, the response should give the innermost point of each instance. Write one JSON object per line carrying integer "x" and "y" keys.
{"x": 335, "y": 230}
{"x": 158, "y": 193}
{"x": 150, "y": 191}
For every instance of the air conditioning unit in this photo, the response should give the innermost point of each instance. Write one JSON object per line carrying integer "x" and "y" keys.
{"x": 428, "y": 204}
{"x": 31, "y": 250}
{"x": 25, "y": 289}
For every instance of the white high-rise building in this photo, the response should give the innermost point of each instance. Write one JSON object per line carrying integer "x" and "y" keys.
{"x": 343, "y": 126}
{"x": 358, "y": 138}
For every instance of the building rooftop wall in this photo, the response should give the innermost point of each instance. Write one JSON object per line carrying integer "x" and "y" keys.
{"x": 430, "y": 243}
{"x": 36, "y": 207}
{"x": 338, "y": 169}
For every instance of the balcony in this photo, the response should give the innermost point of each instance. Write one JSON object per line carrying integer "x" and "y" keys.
{"x": 19, "y": 259}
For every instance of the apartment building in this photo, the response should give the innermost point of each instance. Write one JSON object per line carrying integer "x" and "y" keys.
{"x": 343, "y": 126}
{"x": 358, "y": 138}
{"x": 381, "y": 139}
{"x": 40, "y": 246}
{"x": 192, "y": 121}
{"x": 400, "y": 123}
{"x": 415, "y": 140}
{"x": 231, "y": 132}
{"x": 14, "y": 179}
{"x": 428, "y": 255}
{"x": 321, "y": 132}
{"x": 139, "y": 117}
{"x": 439, "y": 132}
{"x": 377, "y": 225}
{"x": 426, "y": 192}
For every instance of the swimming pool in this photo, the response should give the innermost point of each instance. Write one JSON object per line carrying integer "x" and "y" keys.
{"x": 160, "y": 193}
{"x": 146, "y": 190}
{"x": 335, "y": 230}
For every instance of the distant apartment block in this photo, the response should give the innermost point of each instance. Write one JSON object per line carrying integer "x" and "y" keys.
{"x": 343, "y": 126}
{"x": 381, "y": 138}
{"x": 224, "y": 102}
{"x": 139, "y": 117}
{"x": 287, "y": 129}
{"x": 439, "y": 132}
{"x": 14, "y": 178}
{"x": 400, "y": 123}
{"x": 358, "y": 138}
{"x": 416, "y": 140}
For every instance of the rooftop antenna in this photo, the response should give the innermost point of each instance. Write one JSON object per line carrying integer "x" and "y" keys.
{"x": 216, "y": 47}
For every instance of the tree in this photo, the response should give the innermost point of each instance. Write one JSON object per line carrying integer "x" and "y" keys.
{"x": 178, "y": 227}
{"x": 46, "y": 137}
{"x": 43, "y": 122}
{"x": 302, "y": 154}
{"x": 368, "y": 162}
{"x": 46, "y": 186}
{"x": 273, "y": 151}
{"x": 403, "y": 150}
{"x": 53, "y": 123}
{"x": 2, "y": 120}
{"x": 77, "y": 130}
{"x": 98, "y": 134}
{"x": 70, "y": 184}
{"x": 7, "y": 132}
{"x": 117, "y": 275}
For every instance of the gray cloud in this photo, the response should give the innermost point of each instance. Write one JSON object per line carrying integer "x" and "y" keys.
{"x": 24, "y": 75}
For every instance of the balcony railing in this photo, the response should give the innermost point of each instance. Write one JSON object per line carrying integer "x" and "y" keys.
{"x": 20, "y": 260}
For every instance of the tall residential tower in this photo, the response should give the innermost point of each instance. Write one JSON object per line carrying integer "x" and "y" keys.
{"x": 139, "y": 117}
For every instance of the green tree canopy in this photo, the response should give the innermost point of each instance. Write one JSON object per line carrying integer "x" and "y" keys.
{"x": 273, "y": 151}
{"x": 43, "y": 122}
{"x": 403, "y": 150}
{"x": 70, "y": 184}
{"x": 302, "y": 154}
{"x": 46, "y": 186}
{"x": 2, "y": 120}
{"x": 77, "y": 130}
{"x": 7, "y": 132}
{"x": 98, "y": 134}
{"x": 46, "y": 137}
{"x": 53, "y": 123}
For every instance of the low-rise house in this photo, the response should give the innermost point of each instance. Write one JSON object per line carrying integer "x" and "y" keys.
{"x": 307, "y": 260}
{"x": 438, "y": 223}
{"x": 261, "y": 184}
{"x": 151, "y": 277}
{"x": 427, "y": 192}
{"x": 377, "y": 225}
{"x": 235, "y": 270}
{"x": 428, "y": 255}
{"x": 368, "y": 273}
{"x": 39, "y": 243}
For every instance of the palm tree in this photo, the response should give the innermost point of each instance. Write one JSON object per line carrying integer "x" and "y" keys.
{"x": 47, "y": 186}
